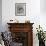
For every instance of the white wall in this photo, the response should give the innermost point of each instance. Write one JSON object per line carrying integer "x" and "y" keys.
{"x": 43, "y": 14}
{"x": 0, "y": 14}
{"x": 33, "y": 13}
{"x": 43, "y": 6}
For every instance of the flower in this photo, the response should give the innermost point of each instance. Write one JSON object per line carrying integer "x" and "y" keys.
{"x": 40, "y": 33}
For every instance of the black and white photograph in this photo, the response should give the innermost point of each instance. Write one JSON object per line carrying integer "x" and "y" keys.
{"x": 20, "y": 9}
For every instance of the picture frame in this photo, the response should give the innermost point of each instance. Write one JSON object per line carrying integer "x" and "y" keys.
{"x": 20, "y": 9}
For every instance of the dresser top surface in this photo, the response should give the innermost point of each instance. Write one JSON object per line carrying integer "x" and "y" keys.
{"x": 19, "y": 23}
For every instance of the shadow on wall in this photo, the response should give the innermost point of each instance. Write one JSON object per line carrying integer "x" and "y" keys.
{"x": 0, "y": 15}
{"x": 43, "y": 6}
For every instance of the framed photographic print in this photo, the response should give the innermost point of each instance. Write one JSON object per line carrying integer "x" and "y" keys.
{"x": 20, "y": 9}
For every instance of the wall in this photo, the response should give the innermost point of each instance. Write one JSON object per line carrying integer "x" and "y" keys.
{"x": 43, "y": 6}
{"x": 43, "y": 14}
{"x": 33, "y": 13}
{"x": 0, "y": 14}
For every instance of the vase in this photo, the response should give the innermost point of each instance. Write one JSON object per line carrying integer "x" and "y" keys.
{"x": 41, "y": 43}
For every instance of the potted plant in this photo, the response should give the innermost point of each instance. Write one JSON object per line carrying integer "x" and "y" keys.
{"x": 41, "y": 36}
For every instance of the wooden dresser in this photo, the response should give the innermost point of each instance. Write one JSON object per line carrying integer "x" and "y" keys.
{"x": 22, "y": 33}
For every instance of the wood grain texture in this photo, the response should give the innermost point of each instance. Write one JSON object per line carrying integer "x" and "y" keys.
{"x": 22, "y": 27}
